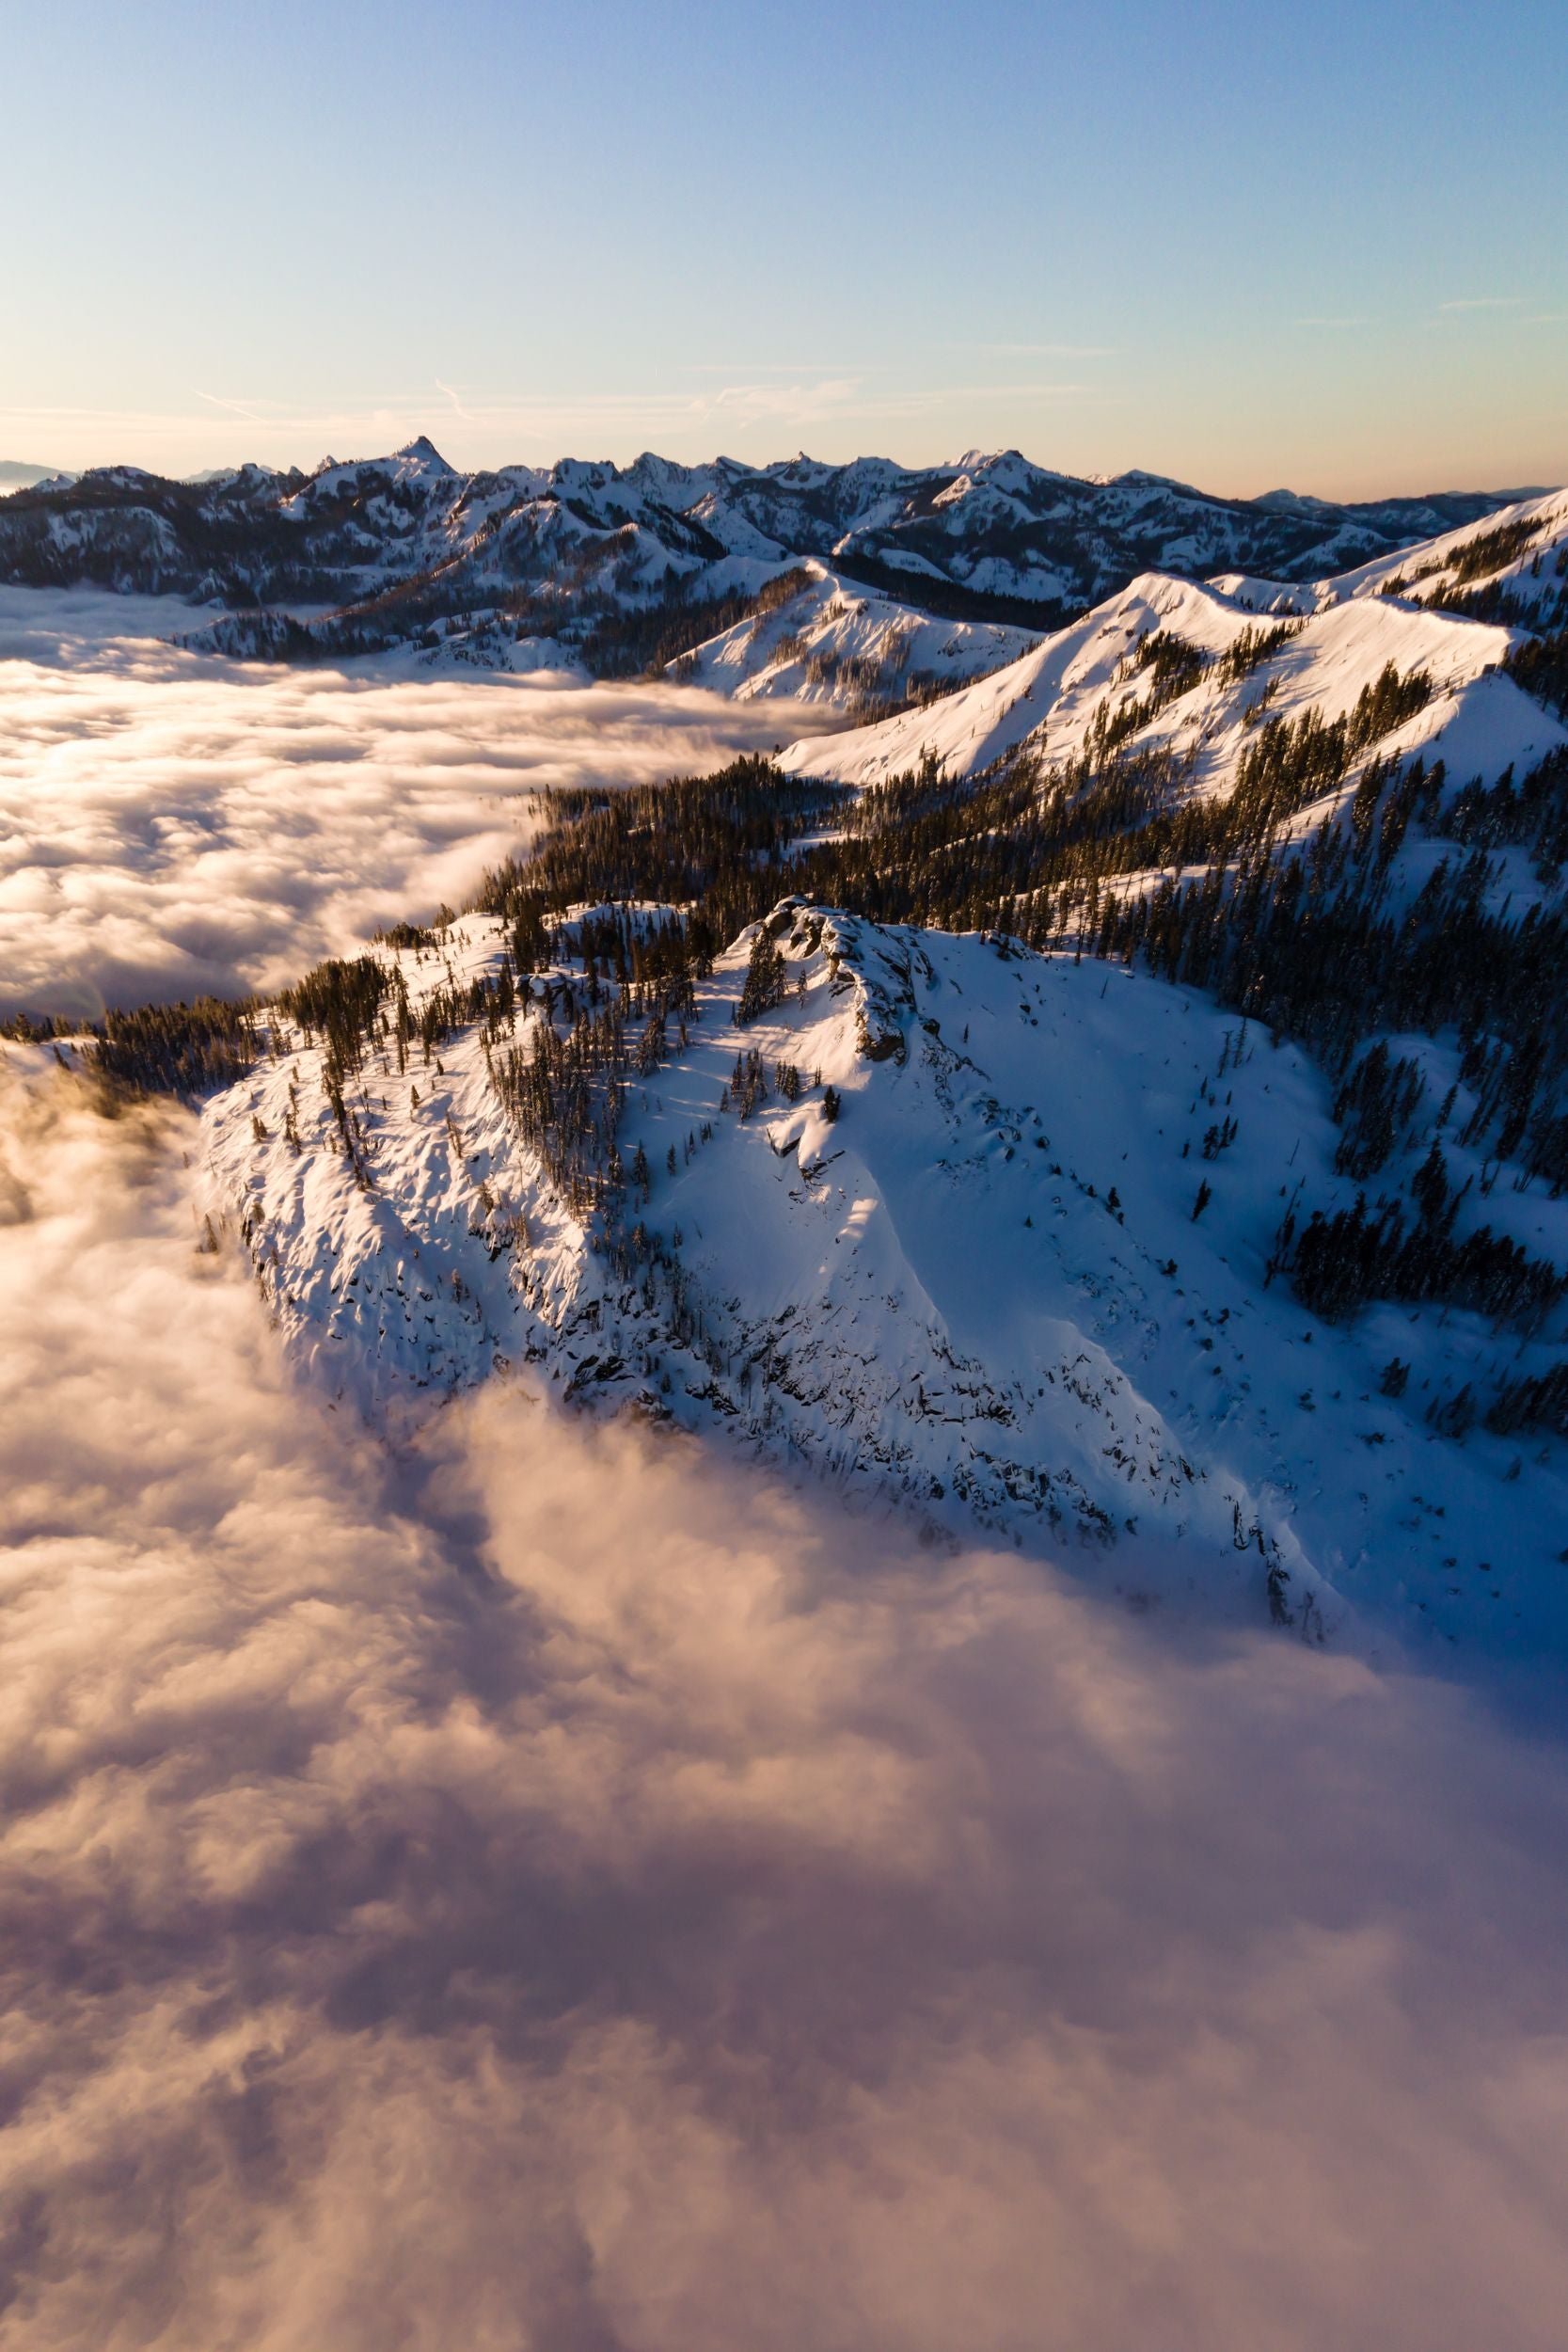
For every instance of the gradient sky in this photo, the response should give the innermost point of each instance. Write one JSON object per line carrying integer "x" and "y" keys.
{"x": 1321, "y": 247}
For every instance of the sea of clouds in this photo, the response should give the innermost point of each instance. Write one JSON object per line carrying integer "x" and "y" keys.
{"x": 171, "y": 824}
{"x": 549, "y": 1887}
{"x": 553, "y": 1889}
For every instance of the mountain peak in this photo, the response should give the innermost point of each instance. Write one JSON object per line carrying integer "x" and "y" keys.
{"x": 16, "y": 474}
{"x": 1284, "y": 502}
{"x": 422, "y": 452}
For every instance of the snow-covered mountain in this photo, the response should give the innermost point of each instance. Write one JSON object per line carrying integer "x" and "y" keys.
{"x": 15, "y": 474}
{"x": 620, "y": 565}
{"x": 1237, "y": 650}
{"x": 980, "y": 1289}
{"x": 815, "y": 637}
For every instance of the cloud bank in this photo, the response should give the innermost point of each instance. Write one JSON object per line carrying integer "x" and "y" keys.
{"x": 169, "y": 823}
{"x": 555, "y": 1890}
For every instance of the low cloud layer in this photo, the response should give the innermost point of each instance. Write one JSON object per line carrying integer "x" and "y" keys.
{"x": 169, "y": 823}
{"x": 555, "y": 1890}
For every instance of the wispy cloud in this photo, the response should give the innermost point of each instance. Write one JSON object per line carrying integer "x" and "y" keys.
{"x": 1041, "y": 351}
{"x": 1484, "y": 302}
{"x": 832, "y": 396}
{"x": 775, "y": 366}
{"x": 519, "y": 425}
{"x": 232, "y": 407}
{"x": 847, "y": 399}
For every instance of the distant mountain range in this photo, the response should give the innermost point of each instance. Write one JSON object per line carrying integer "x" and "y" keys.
{"x": 622, "y": 567}
{"x": 17, "y": 475}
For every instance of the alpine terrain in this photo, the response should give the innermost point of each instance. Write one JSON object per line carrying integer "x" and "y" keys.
{"x": 1113, "y": 1092}
{"x": 617, "y": 567}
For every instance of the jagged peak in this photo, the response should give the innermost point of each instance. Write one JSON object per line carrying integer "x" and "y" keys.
{"x": 422, "y": 452}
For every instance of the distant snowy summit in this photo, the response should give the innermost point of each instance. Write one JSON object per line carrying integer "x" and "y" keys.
{"x": 623, "y": 568}
{"x": 15, "y": 474}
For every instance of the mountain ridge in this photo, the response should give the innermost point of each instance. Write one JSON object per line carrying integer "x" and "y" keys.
{"x": 1101, "y": 1372}
{"x": 405, "y": 549}
{"x": 1456, "y": 608}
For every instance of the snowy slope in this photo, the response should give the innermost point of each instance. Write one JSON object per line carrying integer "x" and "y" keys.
{"x": 833, "y": 643}
{"x": 1281, "y": 599}
{"x": 1519, "y": 553}
{"x": 1049, "y": 701}
{"x": 980, "y": 1293}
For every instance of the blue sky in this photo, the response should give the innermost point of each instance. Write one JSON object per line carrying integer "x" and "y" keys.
{"x": 1325, "y": 246}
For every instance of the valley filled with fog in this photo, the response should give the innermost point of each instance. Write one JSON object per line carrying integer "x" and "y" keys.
{"x": 558, "y": 1878}
{"x": 554, "y": 1884}
{"x": 171, "y": 824}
